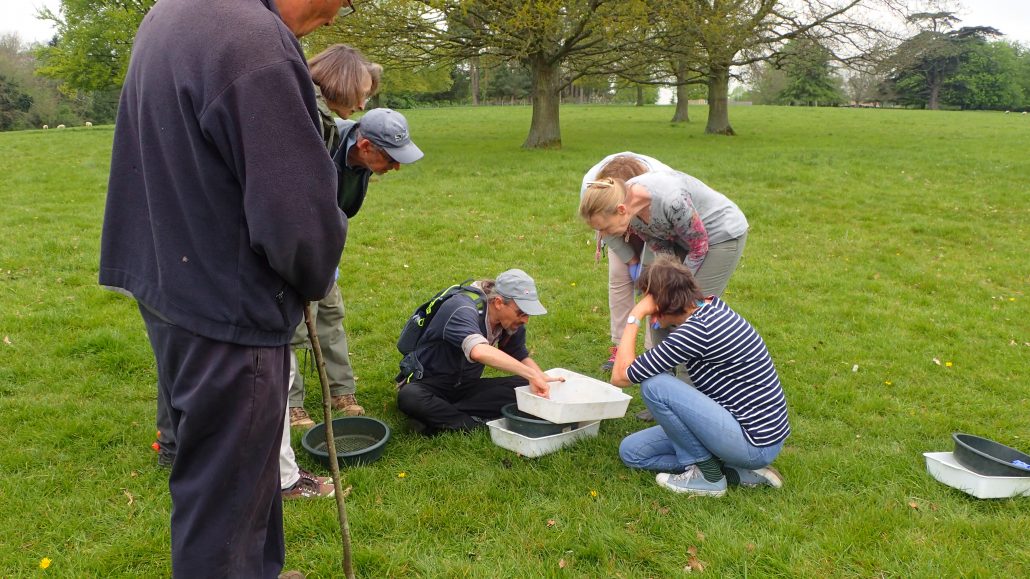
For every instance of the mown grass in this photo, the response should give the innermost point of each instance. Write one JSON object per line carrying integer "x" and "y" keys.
{"x": 880, "y": 241}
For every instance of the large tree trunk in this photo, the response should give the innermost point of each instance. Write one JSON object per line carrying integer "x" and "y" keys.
{"x": 640, "y": 95}
{"x": 682, "y": 94}
{"x": 935, "y": 94}
{"x": 544, "y": 131}
{"x": 474, "y": 75}
{"x": 718, "y": 101}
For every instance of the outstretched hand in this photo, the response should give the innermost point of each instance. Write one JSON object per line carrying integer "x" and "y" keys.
{"x": 540, "y": 386}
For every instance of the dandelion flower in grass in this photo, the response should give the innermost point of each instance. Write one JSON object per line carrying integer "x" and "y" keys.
{"x": 947, "y": 364}
{"x": 402, "y": 474}
{"x": 44, "y": 562}
{"x": 887, "y": 382}
{"x": 593, "y": 494}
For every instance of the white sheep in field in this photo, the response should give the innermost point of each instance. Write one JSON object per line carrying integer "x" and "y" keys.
{"x": 45, "y": 127}
{"x": 60, "y": 126}
{"x": 1024, "y": 112}
{"x": 89, "y": 124}
{"x": 1007, "y": 112}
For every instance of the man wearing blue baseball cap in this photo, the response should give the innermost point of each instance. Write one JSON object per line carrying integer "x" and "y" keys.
{"x": 378, "y": 143}
{"x": 464, "y": 337}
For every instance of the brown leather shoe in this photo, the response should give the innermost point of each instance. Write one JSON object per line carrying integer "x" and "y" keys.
{"x": 291, "y": 575}
{"x": 309, "y": 486}
{"x": 348, "y": 404}
{"x": 299, "y": 418}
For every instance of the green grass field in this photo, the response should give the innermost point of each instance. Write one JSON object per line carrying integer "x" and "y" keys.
{"x": 880, "y": 241}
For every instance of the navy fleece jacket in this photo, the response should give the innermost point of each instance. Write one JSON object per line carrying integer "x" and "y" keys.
{"x": 221, "y": 210}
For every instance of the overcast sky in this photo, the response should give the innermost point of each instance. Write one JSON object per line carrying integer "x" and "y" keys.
{"x": 1012, "y": 17}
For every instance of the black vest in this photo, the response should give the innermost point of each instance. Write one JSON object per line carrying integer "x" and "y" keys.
{"x": 353, "y": 181}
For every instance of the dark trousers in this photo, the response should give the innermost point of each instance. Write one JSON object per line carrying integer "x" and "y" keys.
{"x": 165, "y": 429}
{"x": 451, "y": 407}
{"x": 226, "y": 404}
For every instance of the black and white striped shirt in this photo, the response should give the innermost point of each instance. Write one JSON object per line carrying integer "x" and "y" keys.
{"x": 729, "y": 363}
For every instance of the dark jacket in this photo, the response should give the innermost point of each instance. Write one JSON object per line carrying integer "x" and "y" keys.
{"x": 221, "y": 213}
{"x": 439, "y": 349}
{"x": 353, "y": 180}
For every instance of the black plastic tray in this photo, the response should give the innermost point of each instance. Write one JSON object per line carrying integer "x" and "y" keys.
{"x": 532, "y": 426}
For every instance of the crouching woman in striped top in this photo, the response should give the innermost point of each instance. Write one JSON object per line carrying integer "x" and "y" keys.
{"x": 727, "y": 423}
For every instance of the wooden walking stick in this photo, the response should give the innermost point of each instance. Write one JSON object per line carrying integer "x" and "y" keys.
{"x": 334, "y": 463}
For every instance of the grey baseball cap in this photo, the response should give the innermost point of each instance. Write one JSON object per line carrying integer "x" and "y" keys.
{"x": 388, "y": 129}
{"x": 517, "y": 285}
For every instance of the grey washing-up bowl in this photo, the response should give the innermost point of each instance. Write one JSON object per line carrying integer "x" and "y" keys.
{"x": 989, "y": 458}
{"x": 531, "y": 426}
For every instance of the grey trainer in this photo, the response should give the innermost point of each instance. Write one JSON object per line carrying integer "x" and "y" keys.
{"x": 691, "y": 482}
{"x": 765, "y": 476}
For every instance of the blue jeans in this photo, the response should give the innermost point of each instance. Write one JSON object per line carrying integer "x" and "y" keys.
{"x": 691, "y": 428}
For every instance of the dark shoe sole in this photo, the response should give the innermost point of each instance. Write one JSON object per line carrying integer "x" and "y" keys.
{"x": 419, "y": 427}
{"x": 165, "y": 460}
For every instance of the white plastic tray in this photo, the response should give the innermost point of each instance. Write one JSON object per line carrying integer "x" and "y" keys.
{"x": 578, "y": 399}
{"x": 943, "y": 467}
{"x": 533, "y": 447}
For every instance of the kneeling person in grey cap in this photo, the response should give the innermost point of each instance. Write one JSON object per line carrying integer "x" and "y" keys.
{"x": 460, "y": 341}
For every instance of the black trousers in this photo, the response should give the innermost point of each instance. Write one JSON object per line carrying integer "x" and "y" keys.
{"x": 226, "y": 405}
{"x": 451, "y": 407}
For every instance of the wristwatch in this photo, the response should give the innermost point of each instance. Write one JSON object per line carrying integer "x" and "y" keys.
{"x": 632, "y": 320}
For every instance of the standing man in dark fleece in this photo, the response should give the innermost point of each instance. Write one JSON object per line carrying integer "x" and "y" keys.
{"x": 221, "y": 221}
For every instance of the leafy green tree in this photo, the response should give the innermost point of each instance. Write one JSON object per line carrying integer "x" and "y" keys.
{"x": 14, "y": 103}
{"x": 725, "y": 34}
{"x": 48, "y": 104}
{"x": 635, "y": 93}
{"x": 767, "y": 82}
{"x": 809, "y": 76}
{"x": 688, "y": 81}
{"x": 924, "y": 63}
{"x": 987, "y": 78}
{"x": 1022, "y": 74}
{"x": 509, "y": 83}
{"x": 93, "y": 43}
{"x": 559, "y": 41}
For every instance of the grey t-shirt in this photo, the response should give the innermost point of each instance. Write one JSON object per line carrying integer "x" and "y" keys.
{"x": 669, "y": 190}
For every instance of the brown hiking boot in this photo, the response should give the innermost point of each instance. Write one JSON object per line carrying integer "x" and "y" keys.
{"x": 309, "y": 486}
{"x": 292, "y": 575}
{"x": 299, "y": 418}
{"x": 348, "y": 404}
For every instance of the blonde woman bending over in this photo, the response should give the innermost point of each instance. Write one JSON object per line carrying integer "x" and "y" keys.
{"x": 673, "y": 213}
